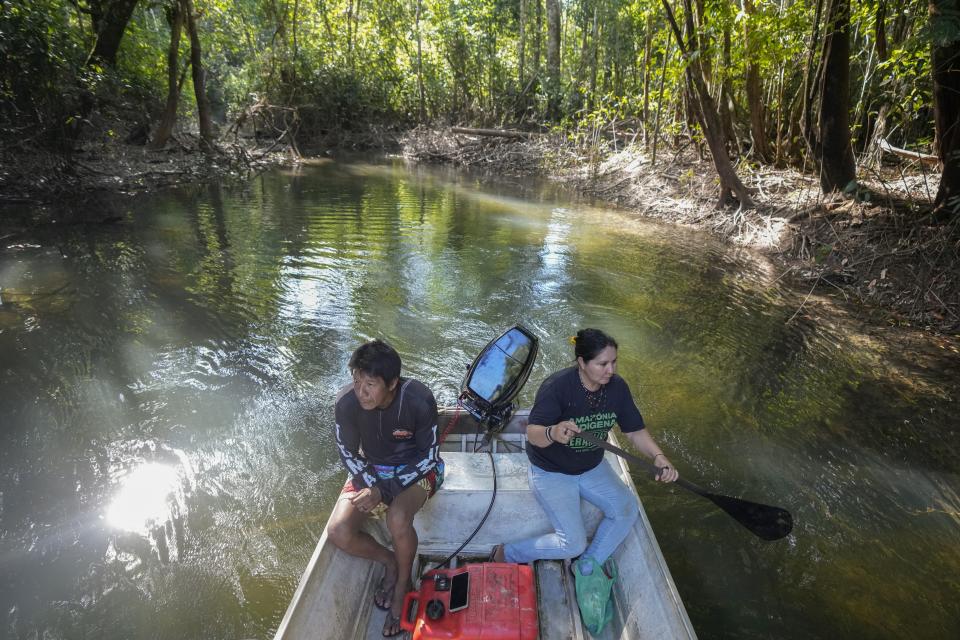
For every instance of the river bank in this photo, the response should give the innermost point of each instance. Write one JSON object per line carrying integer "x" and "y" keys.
{"x": 881, "y": 251}
{"x": 106, "y": 166}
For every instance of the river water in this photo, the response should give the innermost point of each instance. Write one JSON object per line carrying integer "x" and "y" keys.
{"x": 167, "y": 380}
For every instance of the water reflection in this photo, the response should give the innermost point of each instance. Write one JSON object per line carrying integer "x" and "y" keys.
{"x": 200, "y": 348}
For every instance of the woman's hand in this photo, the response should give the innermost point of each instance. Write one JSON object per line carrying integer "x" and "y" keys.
{"x": 366, "y": 499}
{"x": 665, "y": 469}
{"x": 563, "y": 432}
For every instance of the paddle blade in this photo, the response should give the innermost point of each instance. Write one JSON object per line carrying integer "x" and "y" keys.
{"x": 764, "y": 521}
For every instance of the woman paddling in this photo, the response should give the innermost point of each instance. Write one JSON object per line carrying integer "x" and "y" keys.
{"x": 589, "y": 396}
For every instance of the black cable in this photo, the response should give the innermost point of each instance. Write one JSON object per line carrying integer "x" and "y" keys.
{"x": 478, "y": 442}
{"x": 493, "y": 498}
{"x": 510, "y": 446}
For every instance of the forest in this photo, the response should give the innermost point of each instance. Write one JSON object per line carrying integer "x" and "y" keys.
{"x": 833, "y": 89}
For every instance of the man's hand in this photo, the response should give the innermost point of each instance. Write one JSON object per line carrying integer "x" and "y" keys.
{"x": 366, "y": 499}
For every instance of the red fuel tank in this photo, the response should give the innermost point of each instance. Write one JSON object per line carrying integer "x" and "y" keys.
{"x": 498, "y": 600}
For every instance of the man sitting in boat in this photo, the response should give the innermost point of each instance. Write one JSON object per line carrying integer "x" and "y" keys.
{"x": 591, "y": 397}
{"x": 386, "y": 429}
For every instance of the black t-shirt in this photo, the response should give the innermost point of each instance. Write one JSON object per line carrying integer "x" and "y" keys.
{"x": 562, "y": 397}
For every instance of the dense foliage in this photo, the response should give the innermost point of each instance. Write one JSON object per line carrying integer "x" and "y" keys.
{"x": 347, "y": 64}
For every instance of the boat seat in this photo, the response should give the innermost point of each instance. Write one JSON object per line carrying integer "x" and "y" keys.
{"x": 451, "y": 515}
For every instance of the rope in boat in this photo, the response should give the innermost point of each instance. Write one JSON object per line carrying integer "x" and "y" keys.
{"x": 454, "y": 420}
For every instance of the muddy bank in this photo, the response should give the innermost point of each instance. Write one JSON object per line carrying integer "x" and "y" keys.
{"x": 881, "y": 250}
{"x": 116, "y": 159}
{"x": 107, "y": 166}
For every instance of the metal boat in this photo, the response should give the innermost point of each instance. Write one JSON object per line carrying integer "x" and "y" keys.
{"x": 334, "y": 599}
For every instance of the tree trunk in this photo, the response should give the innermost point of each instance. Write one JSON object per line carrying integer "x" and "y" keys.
{"x": 199, "y": 83}
{"x": 656, "y": 124}
{"x": 700, "y": 38}
{"x": 880, "y": 30}
{"x": 350, "y": 33}
{"x": 811, "y": 71}
{"x": 577, "y": 93}
{"x": 295, "y": 23}
{"x": 647, "y": 43}
{"x": 110, "y": 19}
{"x": 754, "y": 89}
{"x": 706, "y": 112}
{"x": 946, "y": 102}
{"x": 900, "y": 29}
{"x": 837, "y": 164}
{"x": 165, "y": 128}
{"x": 538, "y": 39}
{"x": 829, "y": 139}
{"x": 595, "y": 59}
{"x": 877, "y": 125}
{"x": 862, "y": 131}
{"x": 522, "y": 45}
{"x": 420, "y": 87}
{"x": 553, "y": 58}
{"x": 725, "y": 96}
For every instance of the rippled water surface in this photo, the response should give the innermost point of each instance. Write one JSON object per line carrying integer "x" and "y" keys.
{"x": 167, "y": 382}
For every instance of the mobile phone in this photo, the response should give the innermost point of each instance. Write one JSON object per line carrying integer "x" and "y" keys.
{"x": 459, "y": 591}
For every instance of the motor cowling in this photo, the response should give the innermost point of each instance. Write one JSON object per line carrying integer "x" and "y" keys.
{"x": 497, "y": 375}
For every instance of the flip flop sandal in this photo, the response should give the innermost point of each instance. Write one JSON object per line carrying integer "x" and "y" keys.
{"x": 391, "y": 622}
{"x": 383, "y": 597}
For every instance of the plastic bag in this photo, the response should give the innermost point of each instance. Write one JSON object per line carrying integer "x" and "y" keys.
{"x": 593, "y": 593}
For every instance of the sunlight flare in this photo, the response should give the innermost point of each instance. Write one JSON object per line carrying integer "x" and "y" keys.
{"x": 143, "y": 497}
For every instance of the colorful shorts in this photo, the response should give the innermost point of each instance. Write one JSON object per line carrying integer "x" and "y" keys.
{"x": 430, "y": 482}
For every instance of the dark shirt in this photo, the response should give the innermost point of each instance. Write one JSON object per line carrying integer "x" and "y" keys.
{"x": 404, "y": 436}
{"x": 562, "y": 397}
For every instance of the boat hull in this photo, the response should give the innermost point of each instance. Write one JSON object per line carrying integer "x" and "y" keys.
{"x": 334, "y": 597}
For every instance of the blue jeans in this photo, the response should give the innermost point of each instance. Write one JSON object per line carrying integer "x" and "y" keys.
{"x": 559, "y": 495}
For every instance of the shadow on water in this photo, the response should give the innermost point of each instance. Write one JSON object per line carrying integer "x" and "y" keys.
{"x": 179, "y": 368}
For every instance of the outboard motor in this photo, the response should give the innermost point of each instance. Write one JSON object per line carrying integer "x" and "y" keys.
{"x": 482, "y": 599}
{"x": 496, "y": 377}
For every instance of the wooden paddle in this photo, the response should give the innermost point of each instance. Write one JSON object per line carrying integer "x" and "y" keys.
{"x": 764, "y": 521}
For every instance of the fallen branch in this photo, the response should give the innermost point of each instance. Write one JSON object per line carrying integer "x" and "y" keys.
{"x": 501, "y": 133}
{"x": 924, "y": 158}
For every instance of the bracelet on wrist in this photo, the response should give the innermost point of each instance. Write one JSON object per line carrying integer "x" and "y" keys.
{"x": 546, "y": 432}
{"x": 658, "y": 455}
